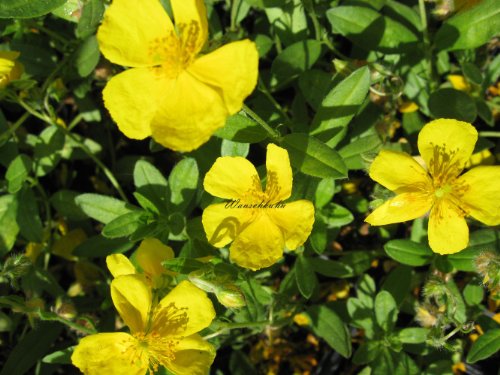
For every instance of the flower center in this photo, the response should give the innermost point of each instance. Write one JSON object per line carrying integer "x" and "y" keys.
{"x": 153, "y": 350}
{"x": 442, "y": 191}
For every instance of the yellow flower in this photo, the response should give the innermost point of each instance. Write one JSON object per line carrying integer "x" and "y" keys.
{"x": 171, "y": 93}
{"x": 459, "y": 82}
{"x": 446, "y": 146}
{"x": 408, "y": 107}
{"x": 161, "y": 335}
{"x": 150, "y": 253}
{"x": 10, "y": 69}
{"x": 258, "y": 221}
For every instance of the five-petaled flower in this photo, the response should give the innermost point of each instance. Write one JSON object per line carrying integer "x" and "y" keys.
{"x": 171, "y": 93}
{"x": 445, "y": 146}
{"x": 10, "y": 68}
{"x": 259, "y": 234}
{"x": 160, "y": 335}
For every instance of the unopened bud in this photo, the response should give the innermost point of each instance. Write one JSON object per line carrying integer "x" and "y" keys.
{"x": 231, "y": 296}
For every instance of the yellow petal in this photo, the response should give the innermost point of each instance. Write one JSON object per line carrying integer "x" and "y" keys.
{"x": 189, "y": 113}
{"x": 403, "y": 207}
{"x": 446, "y": 145}
{"x": 151, "y": 253}
{"x": 448, "y": 231}
{"x": 399, "y": 172}
{"x": 119, "y": 265}
{"x": 131, "y": 98}
{"x": 133, "y": 31}
{"x": 279, "y": 174}
{"x": 408, "y": 107}
{"x": 65, "y": 245}
{"x": 232, "y": 178}
{"x": 108, "y": 353}
{"x": 459, "y": 82}
{"x": 232, "y": 68}
{"x": 259, "y": 245}
{"x": 222, "y": 224}
{"x": 484, "y": 157}
{"x": 481, "y": 193}
{"x": 191, "y": 21}
{"x": 193, "y": 356}
{"x": 186, "y": 299}
{"x": 295, "y": 221}
{"x": 132, "y": 298}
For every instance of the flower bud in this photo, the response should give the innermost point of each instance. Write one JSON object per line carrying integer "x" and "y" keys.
{"x": 231, "y": 296}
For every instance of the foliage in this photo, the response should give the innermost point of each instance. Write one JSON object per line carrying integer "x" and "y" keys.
{"x": 338, "y": 81}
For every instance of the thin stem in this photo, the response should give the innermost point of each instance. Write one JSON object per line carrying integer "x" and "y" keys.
{"x": 228, "y": 326}
{"x": 490, "y": 134}
{"x": 272, "y": 133}
{"x": 308, "y": 5}
{"x": 263, "y": 88}
{"x": 11, "y": 131}
{"x": 425, "y": 34}
{"x": 80, "y": 144}
{"x": 235, "y": 4}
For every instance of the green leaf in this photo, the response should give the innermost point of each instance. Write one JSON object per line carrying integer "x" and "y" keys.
{"x": 451, "y": 103}
{"x": 87, "y": 56}
{"x": 339, "y": 107}
{"x": 240, "y": 128}
{"x": 64, "y": 203}
{"x": 294, "y": 60}
{"x": 305, "y": 276}
{"x": 60, "y": 357}
{"x": 183, "y": 181}
{"x": 30, "y": 348}
{"x": 485, "y": 346}
{"x": 470, "y": 28}
{"x": 100, "y": 247}
{"x": 413, "y": 335}
{"x": 8, "y": 224}
{"x": 17, "y": 173}
{"x": 327, "y": 325}
{"x": 398, "y": 283}
{"x": 151, "y": 184}
{"x": 335, "y": 216}
{"x": 330, "y": 268}
{"x": 27, "y": 8}
{"x": 368, "y": 29}
{"x": 92, "y": 13}
{"x": 472, "y": 73}
{"x": 313, "y": 157}
{"x": 314, "y": 85}
{"x": 473, "y": 294}
{"x": 48, "y": 149}
{"x": 28, "y": 216}
{"x": 479, "y": 241}
{"x": 230, "y": 148}
{"x": 409, "y": 252}
{"x": 124, "y": 225}
{"x": 386, "y": 311}
{"x": 101, "y": 207}
{"x": 324, "y": 192}
{"x": 182, "y": 265}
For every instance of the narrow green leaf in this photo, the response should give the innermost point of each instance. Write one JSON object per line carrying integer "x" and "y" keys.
{"x": 28, "y": 216}
{"x": 386, "y": 311}
{"x": 8, "y": 224}
{"x": 470, "y": 28}
{"x": 409, "y": 252}
{"x": 92, "y": 13}
{"x": 64, "y": 203}
{"x": 183, "y": 181}
{"x": 87, "y": 56}
{"x": 451, "y": 103}
{"x": 27, "y": 8}
{"x": 17, "y": 173}
{"x": 327, "y": 325}
{"x": 240, "y": 128}
{"x": 101, "y": 207}
{"x": 124, "y": 225}
{"x": 151, "y": 184}
{"x": 313, "y": 157}
{"x": 413, "y": 335}
{"x": 485, "y": 346}
{"x": 30, "y": 348}
{"x": 339, "y": 107}
{"x": 305, "y": 276}
{"x": 100, "y": 247}
{"x": 368, "y": 29}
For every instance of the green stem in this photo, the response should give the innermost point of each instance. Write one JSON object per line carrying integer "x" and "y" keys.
{"x": 235, "y": 4}
{"x": 80, "y": 144}
{"x": 490, "y": 134}
{"x": 272, "y": 133}
{"x": 225, "y": 327}
{"x": 11, "y": 131}
{"x": 263, "y": 88}
{"x": 427, "y": 44}
{"x": 54, "y": 317}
